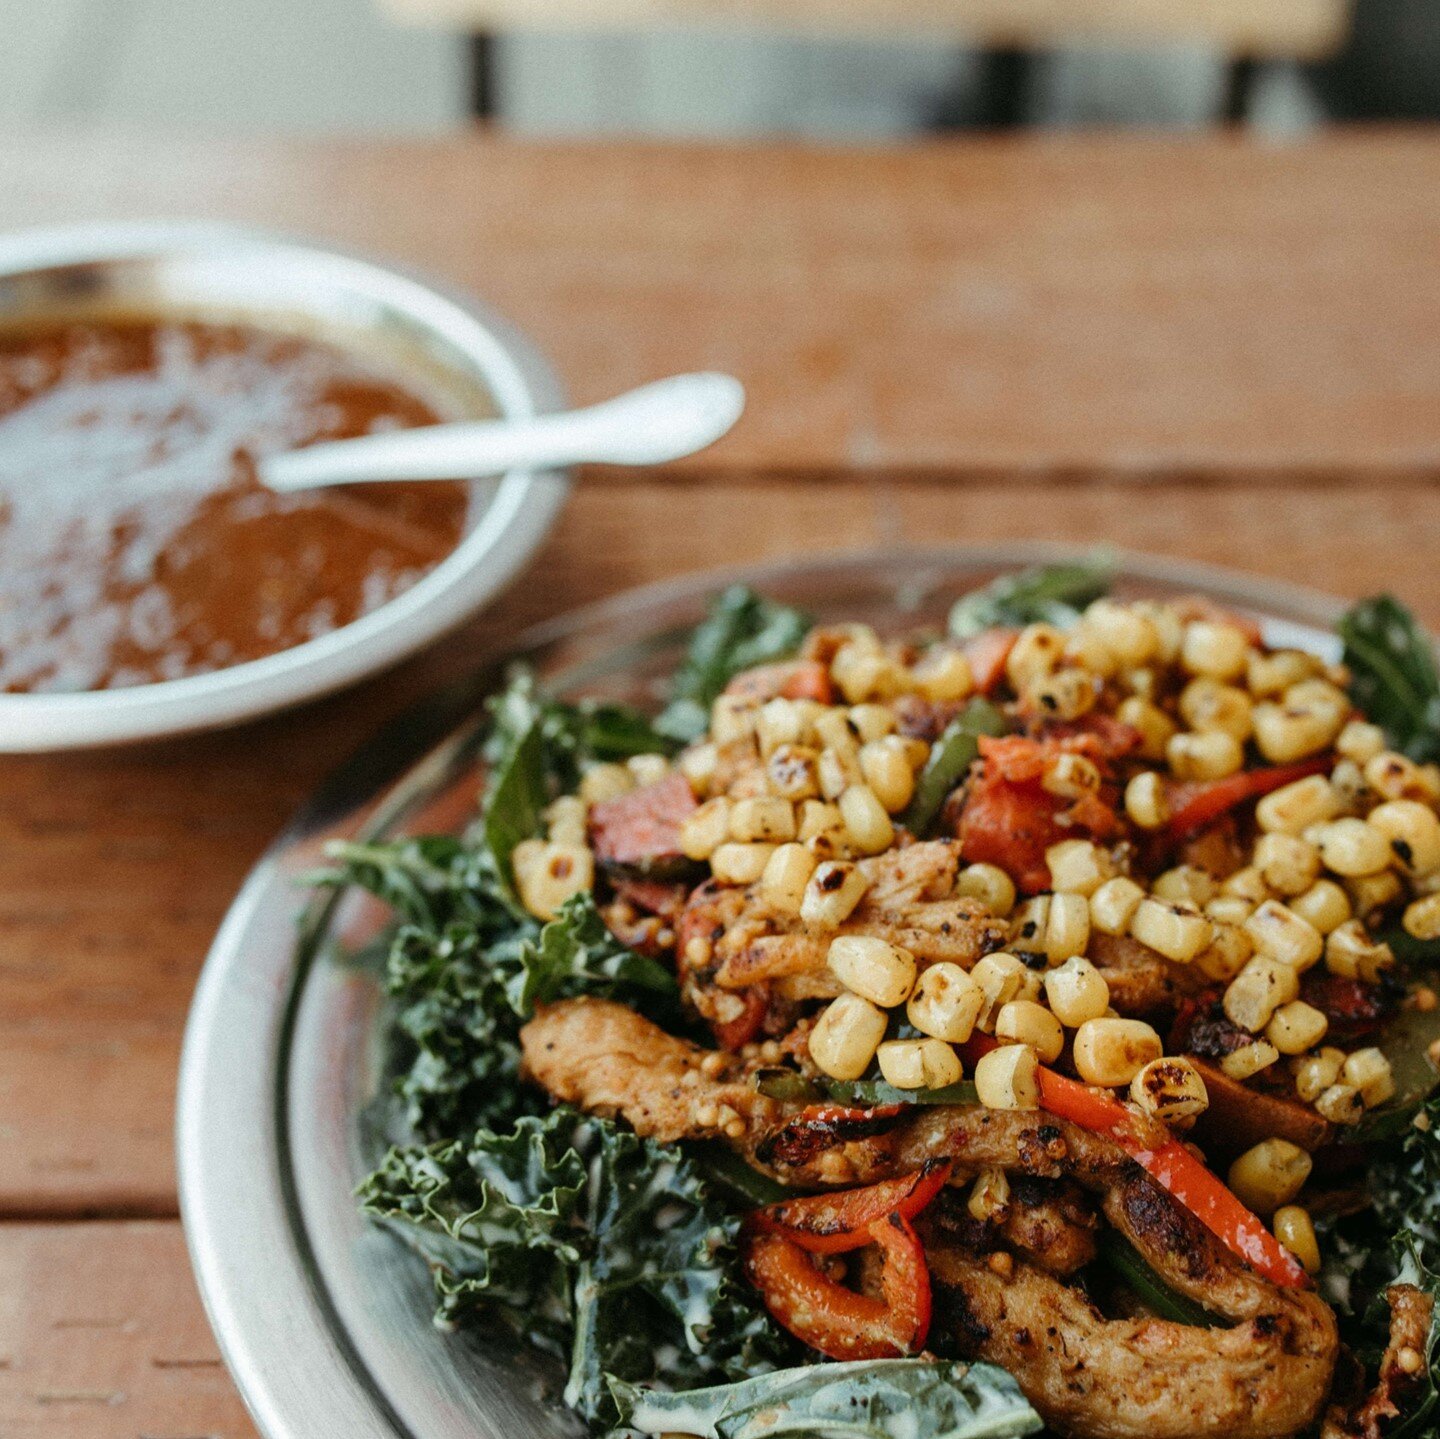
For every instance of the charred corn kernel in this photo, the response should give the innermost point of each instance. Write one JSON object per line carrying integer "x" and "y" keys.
{"x": 1296, "y": 1027}
{"x": 1368, "y": 1070}
{"x": 1055, "y": 925}
{"x": 1170, "y": 1089}
{"x": 888, "y": 771}
{"x": 990, "y": 885}
{"x": 1112, "y": 1052}
{"x": 1214, "y": 648}
{"x": 1247, "y": 1061}
{"x": 1129, "y": 635}
{"x": 946, "y": 1003}
{"x": 871, "y": 722}
{"x": 1288, "y": 863}
{"x": 1144, "y": 683}
{"x": 785, "y": 876}
{"x": 767, "y": 820}
{"x": 1008, "y": 1078}
{"x": 1077, "y": 866}
{"x": 792, "y": 773}
{"x": 1341, "y": 1104}
{"x": 1324, "y": 905}
{"x": 1204, "y": 755}
{"x": 1373, "y": 892}
{"x": 1076, "y": 992}
{"x": 1175, "y": 929}
{"x": 1352, "y": 953}
{"x": 1000, "y": 978}
{"x": 1113, "y": 905}
{"x": 1023, "y": 1021}
{"x": 1037, "y": 650}
{"x": 1360, "y": 741}
{"x": 565, "y": 819}
{"x": 732, "y": 718}
{"x": 846, "y": 1036}
{"x": 837, "y": 769}
{"x": 1394, "y": 776}
{"x": 1293, "y": 808}
{"x": 1207, "y": 704}
{"x": 1229, "y": 909}
{"x": 778, "y": 722}
{"x": 1295, "y": 1231}
{"x": 1258, "y": 991}
{"x": 863, "y": 673}
{"x": 605, "y": 781}
{"x": 1247, "y": 883}
{"x": 548, "y": 873}
{"x": 1280, "y": 933}
{"x": 1067, "y": 694}
{"x": 704, "y": 830}
{"x": 1287, "y": 731}
{"x": 1071, "y": 776}
{"x": 835, "y": 888}
{"x": 1352, "y": 794}
{"x": 1228, "y": 952}
{"x": 942, "y": 675}
{"x": 1422, "y": 918}
{"x": 990, "y": 1194}
{"x": 1353, "y": 848}
{"x": 834, "y": 729}
{"x": 1145, "y": 800}
{"x": 1317, "y": 1072}
{"x": 1150, "y": 722}
{"x": 817, "y": 818}
{"x": 735, "y": 862}
{"x": 1270, "y": 1174}
{"x": 919, "y": 1064}
{"x": 699, "y": 764}
{"x": 866, "y": 822}
{"x": 648, "y": 768}
{"x": 1413, "y": 830}
{"x": 1086, "y": 650}
{"x": 1169, "y": 628}
{"x": 1274, "y": 673}
{"x": 874, "y": 968}
{"x": 1186, "y": 883}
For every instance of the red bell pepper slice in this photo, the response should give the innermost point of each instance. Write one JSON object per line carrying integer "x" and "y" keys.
{"x": 833, "y": 1319}
{"x": 735, "y": 1034}
{"x": 1194, "y": 806}
{"x": 837, "y": 1223}
{"x": 988, "y": 653}
{"x": 643, "y": 825}
{"x": 788, "y": 680}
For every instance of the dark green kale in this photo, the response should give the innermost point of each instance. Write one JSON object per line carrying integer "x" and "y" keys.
{"x": 1394, "y": 680}
{"x": 1053, "y": 594}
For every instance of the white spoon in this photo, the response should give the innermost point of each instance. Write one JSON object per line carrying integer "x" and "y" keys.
{"x": 663, "y": 421}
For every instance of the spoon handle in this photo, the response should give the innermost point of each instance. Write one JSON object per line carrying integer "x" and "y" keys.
{"x": 662, "y": 421}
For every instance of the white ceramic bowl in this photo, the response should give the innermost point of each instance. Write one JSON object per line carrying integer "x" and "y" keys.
{"x": 218, "y": 272}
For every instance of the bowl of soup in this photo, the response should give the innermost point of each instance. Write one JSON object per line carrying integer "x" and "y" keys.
{"x": 149, "y": 584}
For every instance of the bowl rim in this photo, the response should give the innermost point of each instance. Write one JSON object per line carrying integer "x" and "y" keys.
{"x": 520, "y": 512}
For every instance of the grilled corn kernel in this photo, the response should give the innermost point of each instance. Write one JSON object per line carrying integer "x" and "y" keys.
{"x": 1055, "y": 925}
{"x": 780, "y": 722}
{"x": 1067, "y": 694}
{"x": 1274, "y": 673}
{"x": 565, "y": 819}
{"x": 1270, "y": 1174}
{"x": 1071, "y": 776}
{"x": 1352, "y": 953}
{"x": 740, "y": 863}
{"x": 1324, "y": 905}
{"x": 1186, "y": 883}
{"x": 887, "y": 770}
{"x": 1288, "y": 731}
{"x": 648, "y": 768}
{"x": 793, "y": 773}
{"x": 872, "y": 722}
{"x": 1352, "y": 794}
{"x": 699, "y": 763}
{"x": 605, "y": 781}
{"x": 1243, "y": 1063}
{"x": 1207, "y": 704}
{"x": 846, "y": 1036}
{"x": 1170, "y": 1089}
{"x": 863, "y": 673}
{"x": 1360, "y": 741}
{"x": 1176, "y": 930}
{"x": 1258, "y": 991}
{"x": 837, "y": 769}
{"x": 989, "y": 1195}
{"x": 1214, "y": 648}
{"x": 1373, "y": 892}
{"x": 946, "y": 1003}
{"x": 1077, "y": 866}
{"x": 1351, "y": 847}
{"x": 1204, "y": 755}
{"x": 875, "y": 969}
{"x": 1229, "y": 909}
{"x": 1341, "y": 1104}
{"x": 548, "y": 873}
{"x": 1228, "y": 952}
{"x": 1247, "y": 883}
{"x": 1169, "y": 628}
{"x": 1129, "y": 635}
{"x": 834, "y": 729}
{"x": 1008, "y": 1078}
{"x": 990, "y": 885}
{"x": 732, "y": 718}
{"x": 1022, "y": 1021}
{"x": 767, "y": 820}
{"x": 1113, "y": 1051}
{"x": 819, "y": 818}
{"x": 1288, "y": 863}
{"x": 1296, "y": 1027}
{"x": 1413, "y": 831}
{"x": 1293, "y": 808}
{"x": 1368, "y": 1070}
{"x": 1086, "y": 650}
{"x": 704, "y": 830}
{"x": 919, "y": 1064}
{"x": 1281, "y": 934}
{"x": 1150, "y": 722}
{"x": 1394, "y": 776}
{"x": 866, "y": 822}
{"x": 835, "y": 888}
{"x": 1145, "y": 800}
{"x": 1077, "y": 992}
{"x": 1113, "y": 905}
{"x": 1422, "y": 918}
{"x": 1317, "y": 1072}
{"x": 1037, "y": 650}
{"x": 785, "y": 876}
{"x": 1295, "y": 1231}
{"x": 942, "y": 675}
{"x": 1000, "y": 978}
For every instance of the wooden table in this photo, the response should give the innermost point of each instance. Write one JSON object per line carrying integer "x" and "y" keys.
{"x": 1196, "y": 347}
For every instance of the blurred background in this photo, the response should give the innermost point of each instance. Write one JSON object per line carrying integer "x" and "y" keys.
{"x": 848, "y": 69}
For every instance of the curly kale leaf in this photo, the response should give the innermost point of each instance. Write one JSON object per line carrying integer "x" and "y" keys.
{"x": 1054, "y": 594}
{"x": 1393, "y": 674}
{"x": 742, "y": 630}
{"x": 603, "y": 1247}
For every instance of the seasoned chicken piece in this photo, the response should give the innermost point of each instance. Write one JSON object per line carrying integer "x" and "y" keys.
{"x": 1400, "y": 1373}
{"x": 1141, "y": 981}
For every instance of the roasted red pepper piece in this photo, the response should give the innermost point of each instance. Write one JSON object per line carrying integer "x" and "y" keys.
{"x": 734, "y": 1034}
{"x": 987, "y": 654}
{"x": 644, "y": 825}
{"x": 789, "y": 680}
{"x": 839, "y": 1222}
{"x": 1202, "y": 802}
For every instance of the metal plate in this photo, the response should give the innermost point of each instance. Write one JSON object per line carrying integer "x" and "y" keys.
{"x": 323, "y": 1319}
